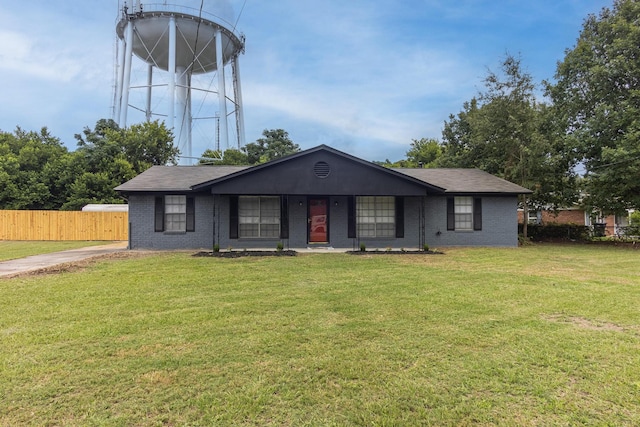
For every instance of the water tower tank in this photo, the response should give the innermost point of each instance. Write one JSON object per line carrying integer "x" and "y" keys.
{"x": 180, "y": 42}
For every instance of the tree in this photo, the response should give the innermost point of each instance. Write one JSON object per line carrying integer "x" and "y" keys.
{"x": 597, "y": 96}
{"x": 38, "y": 172}
{"x": 26, "y": 159}
{"x": 143, "y": 145}
{"x": 230, "y": 156}
{"x": 109, "y": 156}
{"x": 504, "y": 131}
{"x": 424, "y": 152}
{"x": 275, "y": 144}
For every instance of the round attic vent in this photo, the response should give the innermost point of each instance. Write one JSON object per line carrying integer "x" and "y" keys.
{"x": 321, "y": 169}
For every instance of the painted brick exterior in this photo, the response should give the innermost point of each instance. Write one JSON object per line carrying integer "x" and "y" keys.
{"x": 425, "y": 221}
{"x": 143, "y": 236}
{"x": 499, "y": 224}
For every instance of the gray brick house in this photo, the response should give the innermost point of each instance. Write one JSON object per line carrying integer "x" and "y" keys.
{"x": 319, "y": 197}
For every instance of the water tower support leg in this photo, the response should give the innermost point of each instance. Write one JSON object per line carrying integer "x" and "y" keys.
{"x": 128, "y": 57}
{"x": 149, "y": 86}
{"x": 222, "y": 96}
{"x": 119, "y": 79}
{"x": 237, "y": 89}
{"x": 172, "y": 73}
{"x": 183, "y": 103}
{"x": 189, "y": 123}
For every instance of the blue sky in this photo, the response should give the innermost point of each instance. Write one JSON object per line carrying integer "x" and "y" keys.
{"x": 365, "y": 77}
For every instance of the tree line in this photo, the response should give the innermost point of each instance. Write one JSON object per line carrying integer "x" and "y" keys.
{"x": 38, "y": 172}
{"x": 582, "y": 142}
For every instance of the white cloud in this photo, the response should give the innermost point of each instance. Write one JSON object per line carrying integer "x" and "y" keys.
{"x": 347, "y": 71}
{"x": 19, "y": 54}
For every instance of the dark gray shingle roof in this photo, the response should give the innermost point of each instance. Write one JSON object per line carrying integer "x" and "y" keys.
{"x": 464, "y": 181}
{"x": 176, "y": 178}
{"x": 194, "y": 178}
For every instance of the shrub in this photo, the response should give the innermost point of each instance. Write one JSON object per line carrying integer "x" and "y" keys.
{"x": 363, "y": 247}
{"x": 279, "y": 247}
{"x": 216, "y": 248}
{"x": 556, "y": 232}
{"x": 634, "y": 226}
{"x": 425, "y": 247}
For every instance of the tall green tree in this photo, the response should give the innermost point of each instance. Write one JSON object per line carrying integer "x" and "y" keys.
{"x": 506, "y": 132}
{"x": 108, "y": 156}
{"x": 38, "y": 172}
{"x": 274, "y": 144}
{"x": 26, "y": 161}
{"x": 424, "y": 152}
{"x": 597, "y": 96}
{"x": 142, "y": 145}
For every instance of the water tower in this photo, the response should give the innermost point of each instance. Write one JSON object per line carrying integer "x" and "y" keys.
{"x": 178, "y": 44}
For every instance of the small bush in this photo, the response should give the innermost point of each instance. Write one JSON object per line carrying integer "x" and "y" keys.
{"x": 216, "y": 248}
{"x": 634, "y": 227}
{"x": 425, "y": 247}
{"x": 279, "y": 247}
{"x": 570, "y": 232}
{"x": 363, "y": 247}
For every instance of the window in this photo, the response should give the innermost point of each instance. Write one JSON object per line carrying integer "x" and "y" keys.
{"x": 175, "y": 213}
{"x": 464, "y": 213}
{"x": 375, "y": 216}
{"x": 259, "y": 217}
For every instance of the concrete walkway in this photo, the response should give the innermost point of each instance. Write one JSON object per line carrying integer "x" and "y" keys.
{"x": 38, "y": 262}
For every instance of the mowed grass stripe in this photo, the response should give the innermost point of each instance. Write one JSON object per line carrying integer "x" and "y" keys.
{"x": 541, "y": 335}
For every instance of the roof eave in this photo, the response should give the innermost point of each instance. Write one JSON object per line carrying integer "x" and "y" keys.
{"x": 486, "y": 193}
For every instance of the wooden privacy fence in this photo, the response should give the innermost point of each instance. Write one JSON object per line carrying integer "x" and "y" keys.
{"x": 63, "y": 225}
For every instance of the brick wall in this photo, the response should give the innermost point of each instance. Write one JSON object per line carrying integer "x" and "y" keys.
{"x": 142, "y": 233}
{"x": 499, "y": 225}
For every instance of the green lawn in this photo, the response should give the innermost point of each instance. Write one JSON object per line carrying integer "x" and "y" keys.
{"x": 539, "y": 336}
{"x": 14, "y": 249}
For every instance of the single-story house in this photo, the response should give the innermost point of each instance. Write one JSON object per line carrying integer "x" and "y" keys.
{"x": 608, "y": 225}
{"x": 319, "y": 197}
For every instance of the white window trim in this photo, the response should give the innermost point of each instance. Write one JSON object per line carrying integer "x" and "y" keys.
{"x": 463, "y": 213}
{"x": 175, "y": 213}
{"x": 377, "y": 219}
{"x": 258, "y": 220}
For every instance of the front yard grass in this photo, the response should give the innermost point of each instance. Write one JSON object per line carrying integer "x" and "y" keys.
{"x": 541, "y": 335}
{"x": 20, "y": 249}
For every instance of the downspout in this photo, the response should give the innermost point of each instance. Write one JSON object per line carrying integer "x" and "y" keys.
{"x": 423, "y": 207}
{"x": 356, "y": 240}
{"x": 213, "y": 223}
{"x": 129, "y": 227}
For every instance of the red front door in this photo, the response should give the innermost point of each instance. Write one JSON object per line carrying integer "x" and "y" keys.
{"x": 318, "y": 225}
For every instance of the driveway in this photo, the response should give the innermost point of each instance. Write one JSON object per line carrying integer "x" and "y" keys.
{"x": 39, "y": 262}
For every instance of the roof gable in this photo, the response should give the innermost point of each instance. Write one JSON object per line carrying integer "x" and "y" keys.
{"x": 319, "y": 170}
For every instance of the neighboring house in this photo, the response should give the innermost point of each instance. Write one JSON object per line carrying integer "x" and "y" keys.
{"x": 320, "y": 197}
{"x": 607, "y": 225}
